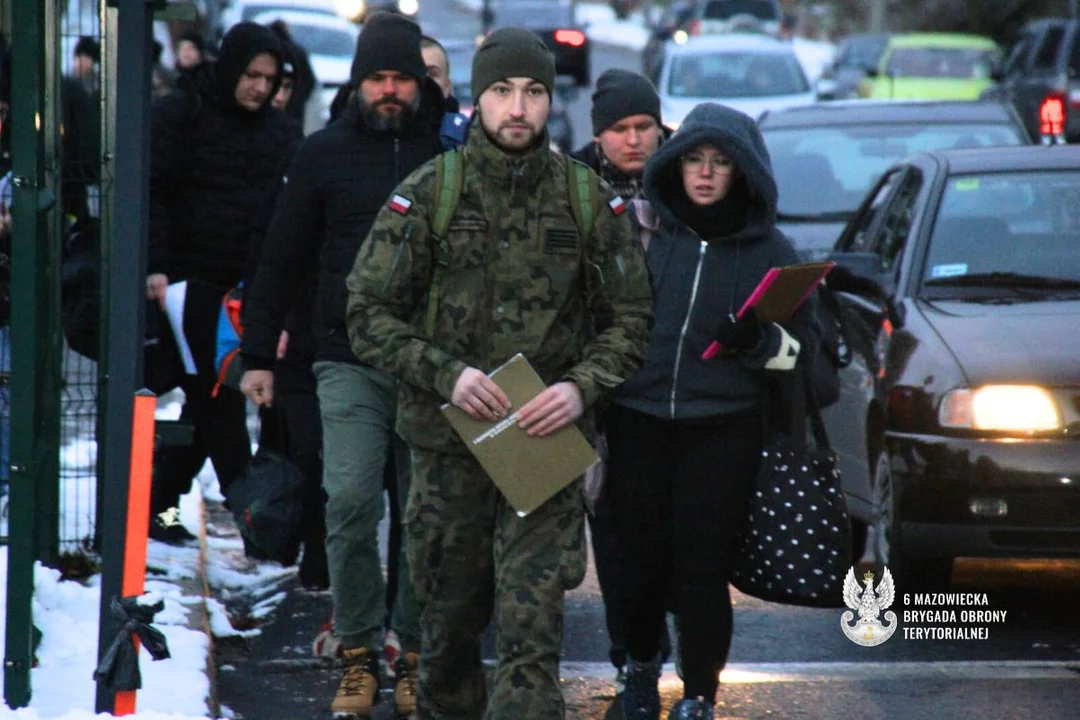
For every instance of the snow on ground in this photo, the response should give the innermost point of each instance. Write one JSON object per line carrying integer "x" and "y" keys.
{"x": 66, "y": 612}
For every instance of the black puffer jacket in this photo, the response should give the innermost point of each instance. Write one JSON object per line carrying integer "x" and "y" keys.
{"x": 340, "y": 178}
{"x": 215, "y": 167}
{"x": 697, "y": 282}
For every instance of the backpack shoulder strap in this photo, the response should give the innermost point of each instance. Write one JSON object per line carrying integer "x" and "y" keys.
{"x": 584, "y": 194}
{"x": 449, "y": 179}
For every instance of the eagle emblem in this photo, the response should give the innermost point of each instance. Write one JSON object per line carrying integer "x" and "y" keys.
{"x": 869, "y": 602}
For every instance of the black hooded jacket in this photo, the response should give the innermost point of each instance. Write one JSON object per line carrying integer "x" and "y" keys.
{"x": 338, "y": 181}
{"x": 215, "y": 167}
{"x": 675, "y": 383}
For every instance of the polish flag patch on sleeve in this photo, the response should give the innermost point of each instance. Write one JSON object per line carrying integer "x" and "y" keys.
{"x": 617, "y": 205}
{"x": 400, "y": 204}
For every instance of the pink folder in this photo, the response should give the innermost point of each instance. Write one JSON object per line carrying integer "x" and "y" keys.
{"x": 781, "y": 292}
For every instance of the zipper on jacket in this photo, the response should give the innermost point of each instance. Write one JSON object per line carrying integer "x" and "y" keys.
{"x": 686, "y": 323}
{"x": 397, "y": 160}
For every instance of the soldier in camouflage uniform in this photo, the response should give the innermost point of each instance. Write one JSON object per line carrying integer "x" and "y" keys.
{"x": 515, "y": 281}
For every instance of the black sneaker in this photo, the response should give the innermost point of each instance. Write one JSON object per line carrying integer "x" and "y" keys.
{"x": 166, "y": 527}
{"x": 641, "y": 696}
{"x": 687, "y": 709}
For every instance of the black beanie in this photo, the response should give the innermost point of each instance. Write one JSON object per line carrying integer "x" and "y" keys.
{"x": 512, "y": 52}
{"x": 388, "y": 42}
{"x": 620, "y": 94}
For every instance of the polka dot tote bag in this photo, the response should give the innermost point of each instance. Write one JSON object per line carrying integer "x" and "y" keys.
{"x": 796, "y": 545}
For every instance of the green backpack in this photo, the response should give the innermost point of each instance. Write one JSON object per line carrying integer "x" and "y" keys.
{"x": 585, "y": 201}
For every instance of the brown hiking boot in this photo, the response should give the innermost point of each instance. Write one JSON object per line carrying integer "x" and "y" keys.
{"x": 359, "y": 686}
{"x": 405, "y": 687}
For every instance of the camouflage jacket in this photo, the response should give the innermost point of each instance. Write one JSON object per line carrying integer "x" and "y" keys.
{"x": 515, "y": 282}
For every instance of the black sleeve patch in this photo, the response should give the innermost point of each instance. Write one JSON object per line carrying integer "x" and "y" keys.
{"x": 560, "y": 240}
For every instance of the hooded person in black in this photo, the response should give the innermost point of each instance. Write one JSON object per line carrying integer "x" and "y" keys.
{"x": 218, "y": 152}
{"x": 340, "y": 178}
{"x": 685, "y": 434}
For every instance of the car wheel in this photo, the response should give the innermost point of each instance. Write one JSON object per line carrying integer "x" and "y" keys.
{"x": 919, "y": 574}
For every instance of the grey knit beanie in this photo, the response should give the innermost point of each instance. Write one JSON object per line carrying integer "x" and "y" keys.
{"x": 512, "y": 52}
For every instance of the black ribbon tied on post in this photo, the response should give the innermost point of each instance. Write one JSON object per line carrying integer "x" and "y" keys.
{"x": 119, "y": 668}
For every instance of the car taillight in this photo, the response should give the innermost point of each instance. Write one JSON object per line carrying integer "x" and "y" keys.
{"x": 1052, "y": 117}
{"x": 573, "y": 38}
{"x": 694, "y": 28}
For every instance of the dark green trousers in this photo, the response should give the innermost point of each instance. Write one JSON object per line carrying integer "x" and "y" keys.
{"x": 474, "y": 560}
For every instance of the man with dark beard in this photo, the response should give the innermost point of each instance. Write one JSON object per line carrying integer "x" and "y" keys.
{"x": 340, "y": 178}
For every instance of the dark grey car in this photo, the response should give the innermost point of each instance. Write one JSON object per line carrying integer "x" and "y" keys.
{"x": 826, "y": 156}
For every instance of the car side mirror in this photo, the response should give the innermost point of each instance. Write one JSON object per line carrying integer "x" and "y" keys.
{"x": 997, "y": 72}
{"x": 871, "y": 72}
{"x": 859, "y": 274}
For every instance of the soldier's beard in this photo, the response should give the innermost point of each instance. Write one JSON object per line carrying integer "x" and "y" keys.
{"x": 393, "y": 121}
{"x": 512, "y": 137}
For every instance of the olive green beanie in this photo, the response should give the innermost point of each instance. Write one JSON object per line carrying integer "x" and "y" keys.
{"x": 512, "y": 52}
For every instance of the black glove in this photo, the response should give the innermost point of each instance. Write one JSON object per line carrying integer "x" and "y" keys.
{"x": 740, "y": 335}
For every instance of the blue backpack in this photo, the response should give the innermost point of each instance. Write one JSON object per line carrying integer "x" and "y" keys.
{"x": 230, "y": 332}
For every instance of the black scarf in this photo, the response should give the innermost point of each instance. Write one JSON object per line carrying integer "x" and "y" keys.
{"x": 722, "y": 219}
{"x": 628, "y": 187}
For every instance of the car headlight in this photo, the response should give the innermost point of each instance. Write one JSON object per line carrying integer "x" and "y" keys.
{"x": 409, "y": 7}
{"x": 350, "y": 9}
{"x": 1003, "y": 408}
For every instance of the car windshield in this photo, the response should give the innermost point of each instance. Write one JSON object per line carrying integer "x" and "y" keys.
{"x": 861, "y": 53}
{"x": 321, "y": 40}
{"x": 736, "y": 75}
{"x": 727, "y": 9}
{"x": 1005, "y": 232}
{"x": 844, "y": 161}
{"x": 958, "y": 63}
{"x": 534, "y": 14}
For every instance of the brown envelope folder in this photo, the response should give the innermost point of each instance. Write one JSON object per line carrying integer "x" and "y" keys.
{"x": 527, "y": 470}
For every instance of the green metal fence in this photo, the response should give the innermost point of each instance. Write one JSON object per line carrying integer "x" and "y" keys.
{"x": 61, "y": 196}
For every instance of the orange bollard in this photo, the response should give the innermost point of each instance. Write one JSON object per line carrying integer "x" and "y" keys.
{"x": 138, "y": 516}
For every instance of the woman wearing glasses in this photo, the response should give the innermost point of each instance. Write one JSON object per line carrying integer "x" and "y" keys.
{"x": 685, "y": 434}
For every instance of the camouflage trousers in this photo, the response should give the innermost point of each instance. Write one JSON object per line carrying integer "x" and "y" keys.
{"x": 474, "y": 560}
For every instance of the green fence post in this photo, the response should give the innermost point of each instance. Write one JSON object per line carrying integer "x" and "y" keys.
{"x": 127, "y": 281}
{"x": 29, "y": 337}
{"x": 47, "y": 478}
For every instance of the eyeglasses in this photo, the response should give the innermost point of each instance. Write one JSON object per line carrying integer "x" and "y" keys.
{"x": 695, "y": 162}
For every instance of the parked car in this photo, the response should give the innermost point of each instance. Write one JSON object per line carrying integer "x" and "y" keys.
{"x": 751, "y": 73}
{"x": 933, "y": 66}
{"x": 957, "y": 420}
{"x": 554, "y": 22}
{"x": 675, "y": 19}
{"x": 857, "y": 55}
{"x": 247, "y": 10}
{"x": 685, "y": 19}
{"x": 1041, "y": 77}
{"x": 560, "y": 130}
{"x": 330, "y": 42}
{"x": 827, "y": 156}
